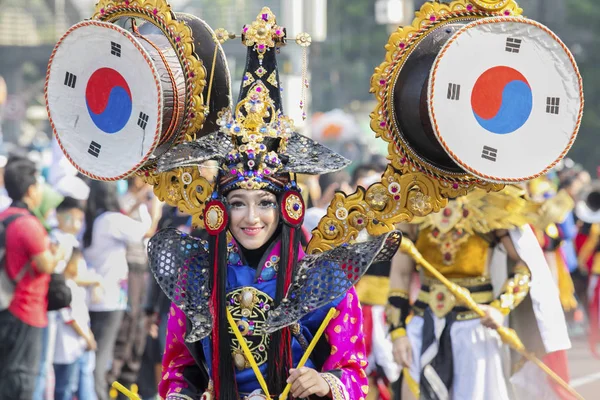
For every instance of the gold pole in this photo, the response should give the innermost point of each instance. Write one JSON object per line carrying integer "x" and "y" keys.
{"x": 248, "y": 354}
{"x": 309, "y": 350}
{"x": 413, "y": 386}
{"x": 130, "y": 395}
{"x": 463, "y": 296}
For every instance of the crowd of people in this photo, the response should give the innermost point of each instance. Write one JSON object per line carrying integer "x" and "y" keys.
{"x": 94, "y": 235}
{"x": 66, "y": 233}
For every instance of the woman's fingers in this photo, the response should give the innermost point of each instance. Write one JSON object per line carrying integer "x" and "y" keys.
{"x": 300, "y": 380}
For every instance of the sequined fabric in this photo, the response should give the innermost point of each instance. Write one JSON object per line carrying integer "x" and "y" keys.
{"x": 324, "y": 277}
{"x": 180, "y": 264}
{"x": 304, "y": 155}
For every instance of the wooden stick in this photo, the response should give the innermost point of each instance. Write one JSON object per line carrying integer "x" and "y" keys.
{"x": 309, "y": 350}
{"x": 508, "y": 336}
{"x": 248, "y": 354}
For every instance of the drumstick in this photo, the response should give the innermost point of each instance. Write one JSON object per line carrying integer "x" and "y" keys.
{"x": 130, "y": 395}
{"x": 248, "y": 354}
{"x": 309, "y": 350}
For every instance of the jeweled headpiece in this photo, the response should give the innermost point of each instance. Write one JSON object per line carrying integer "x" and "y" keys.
{"x": 259, "y": 134}
{"x": 256, "y": 145}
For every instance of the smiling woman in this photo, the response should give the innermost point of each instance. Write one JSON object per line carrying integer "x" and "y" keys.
{"x": 253, "y": 217}
{"x": 247, "y": 302}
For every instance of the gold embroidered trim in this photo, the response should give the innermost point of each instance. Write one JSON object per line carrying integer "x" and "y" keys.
{"x": 514, "y": 291}
{"x": 398, "y": 293}
{"x": 338, "y": 391}
{"x": 479, "y": 297}
{"x": 175, "y": 396}
{"x": 249, "y": 308}
{"x": 460, "y": 316}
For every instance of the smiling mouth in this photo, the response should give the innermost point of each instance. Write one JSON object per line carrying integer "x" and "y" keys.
{"x": 253, "y": 230}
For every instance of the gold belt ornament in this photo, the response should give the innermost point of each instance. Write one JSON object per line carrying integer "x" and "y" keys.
{"x": 441, "y": 300}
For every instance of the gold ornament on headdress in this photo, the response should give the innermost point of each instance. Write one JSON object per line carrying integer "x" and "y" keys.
{"x": 410, "y": 187}
{"x": 263, "y": 33}
{"x": 255, "y": 119}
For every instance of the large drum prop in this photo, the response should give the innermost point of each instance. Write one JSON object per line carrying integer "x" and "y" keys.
{"x": 120, "y": 98}
{"x": 498, "y": 98}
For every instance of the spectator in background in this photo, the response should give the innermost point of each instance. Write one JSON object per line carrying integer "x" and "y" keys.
{"x": 72, "y": 367}
{"x": 45, "y": 212}
{"x": 363, "y": 176}
{"x": 75, "y": 341}
{"x": 105, "y": 240}
{"x": 5, "y": 200}
{"x": 131, "y": 338}
{"x": 157, "y": 307}
{"x": 29, "y": 261}
{"x": 330, "y": 183}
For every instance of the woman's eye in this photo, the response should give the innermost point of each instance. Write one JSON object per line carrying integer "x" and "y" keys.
{"x": 267, "y": 204}
{"x": 236, "y": 204}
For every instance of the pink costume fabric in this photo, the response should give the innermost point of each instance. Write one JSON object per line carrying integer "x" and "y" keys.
{"x": 344, "y": 334}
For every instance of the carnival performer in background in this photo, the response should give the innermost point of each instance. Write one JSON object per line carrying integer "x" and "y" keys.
{"x": 447, "y": 350}
{"x": 253, "y": 257}
{"x": 372, "y": 291}
{"x": 552, "y": 238}
{"x": 588, "y": 247}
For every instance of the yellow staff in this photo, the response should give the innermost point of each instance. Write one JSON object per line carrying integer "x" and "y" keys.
{"x": 309, "y": 350}
{"x": 508, "y": 335}
{"x": 130, "y": 395}
{"x": 248, "y": 354}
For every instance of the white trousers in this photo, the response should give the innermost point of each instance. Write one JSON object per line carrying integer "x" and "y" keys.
{"x": 480, "y": 360}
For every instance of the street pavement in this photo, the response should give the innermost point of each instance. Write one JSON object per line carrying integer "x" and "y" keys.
{"x": 584, "y": 369}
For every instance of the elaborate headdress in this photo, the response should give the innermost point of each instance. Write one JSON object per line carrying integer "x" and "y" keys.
{"x": 256, "y": 147}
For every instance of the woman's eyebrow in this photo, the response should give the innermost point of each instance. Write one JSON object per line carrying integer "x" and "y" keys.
{"x": 236, "y": 197}
{"x": 267, "y": 196}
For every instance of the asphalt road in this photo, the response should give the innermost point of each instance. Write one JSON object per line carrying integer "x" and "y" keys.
{"x": 584, "y": 369}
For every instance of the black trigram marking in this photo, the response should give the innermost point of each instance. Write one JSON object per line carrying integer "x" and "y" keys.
{"x": 513, "y": 45}
{"x": 94, "y": 149}
{"x": 453, "y": 91}
{"x": 552, "y": 105}
{"x": 489, "y": 153}
{"x": 143, "y": 120}
{"x": 70, "y": 80}
{"x": 115, "y": 49}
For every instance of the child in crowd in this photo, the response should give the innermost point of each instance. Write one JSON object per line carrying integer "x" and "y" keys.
{"x": 75, "y": 343}
{"x": 73, "y": 365}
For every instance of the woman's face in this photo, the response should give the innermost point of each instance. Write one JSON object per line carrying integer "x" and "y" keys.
{"x": 253, "y": 217}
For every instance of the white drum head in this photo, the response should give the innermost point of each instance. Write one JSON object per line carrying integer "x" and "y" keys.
{"x": 505, "y": 99}
{"x": 106, "y": 116}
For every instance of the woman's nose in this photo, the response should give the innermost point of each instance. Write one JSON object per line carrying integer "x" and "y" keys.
{"x": 252, "y": 213}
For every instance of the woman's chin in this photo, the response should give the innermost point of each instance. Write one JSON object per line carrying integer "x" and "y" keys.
{"x": 250, "y": 242}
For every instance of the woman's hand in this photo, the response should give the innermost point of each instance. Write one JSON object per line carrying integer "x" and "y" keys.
{"x": 402, "y": 351}
{"x": 306, "y": 381}
{"x": 493, "y": 319}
